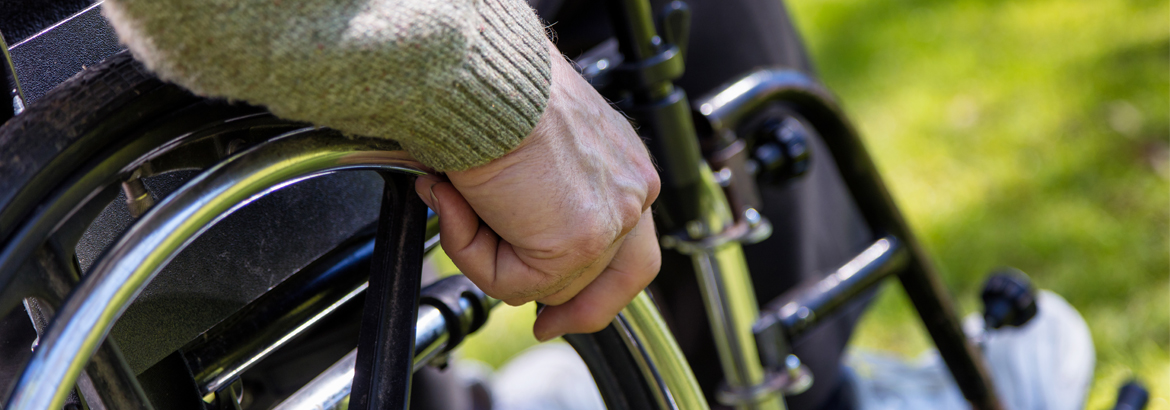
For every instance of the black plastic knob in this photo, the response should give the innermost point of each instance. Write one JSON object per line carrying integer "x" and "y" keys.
{"x": 782, "y": 152}
{"x": 1132, "y": 396}
{"x": 1008, "y": 299}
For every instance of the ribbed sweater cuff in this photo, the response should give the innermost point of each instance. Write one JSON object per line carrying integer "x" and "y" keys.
{"x": 499, "y": 95}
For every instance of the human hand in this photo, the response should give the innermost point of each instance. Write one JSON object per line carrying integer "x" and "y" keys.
{"x": 565, "y": 215}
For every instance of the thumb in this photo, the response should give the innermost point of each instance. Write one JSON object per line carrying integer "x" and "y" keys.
{"x": 470, "y": 243}
{"x": 459, "y": 225}
{"x": 424, "y": 186}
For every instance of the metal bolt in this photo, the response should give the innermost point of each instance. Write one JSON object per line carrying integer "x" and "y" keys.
{"x": 805, "y": 315}
{"x": 794, "y": 137}
{"x": 138, "y": 198}
{"x": 782, "y": 150}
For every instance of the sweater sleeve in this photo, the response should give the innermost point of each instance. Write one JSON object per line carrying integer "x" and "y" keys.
{"x": 456, "y": 82}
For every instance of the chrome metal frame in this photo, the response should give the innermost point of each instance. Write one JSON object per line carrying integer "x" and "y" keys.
{"x": 332, "y": 387}
{"x": 327, "y": 391}
{"x": 693, "y": 210}
{"x": 641, "y": 326}
{"x": 714, "y": 233}
{"x": 730, "y": 302}
{"x": 85, "y": 319}
{"x": 87, "y": 315}
{"x": 658, "y": 355}
{"x": 697, "y": 216}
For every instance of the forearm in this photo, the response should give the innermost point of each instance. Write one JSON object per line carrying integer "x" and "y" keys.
{"x": 458, "y": 83}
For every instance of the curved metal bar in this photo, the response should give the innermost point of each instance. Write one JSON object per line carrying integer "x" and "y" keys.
{"x": 60, "y": 208}
{"x": 725, "y": 109}
{"x": 732, "y": 103}
{"x": 129, "y": 265}
{"x": 658, "y": 355}
{"x": 824, "y": 297}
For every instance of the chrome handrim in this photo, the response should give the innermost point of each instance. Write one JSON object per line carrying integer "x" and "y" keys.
{"x": 127, "y": 267}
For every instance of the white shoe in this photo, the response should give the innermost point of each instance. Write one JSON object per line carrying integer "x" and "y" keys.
{"x": 1046, "y": 364}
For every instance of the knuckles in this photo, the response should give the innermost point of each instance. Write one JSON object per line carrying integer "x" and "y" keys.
{"x": 629, "y": 213}
{"x": 556, "y": 299}
{"x": 587, "y": 233}
{"x": 653, "y": 185}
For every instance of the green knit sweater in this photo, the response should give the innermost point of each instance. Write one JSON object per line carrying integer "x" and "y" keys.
{"x": 456, "y": 82}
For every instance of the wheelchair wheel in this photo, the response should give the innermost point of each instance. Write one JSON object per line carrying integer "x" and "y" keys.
{"x": 115, "y": 179}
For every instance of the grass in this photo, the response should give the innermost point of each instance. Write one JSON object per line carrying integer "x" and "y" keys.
{"x": 1030, "y": 133}
{"x": 1025, "y": 133}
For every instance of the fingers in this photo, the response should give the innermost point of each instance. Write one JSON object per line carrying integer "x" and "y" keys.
{"x": 459, "y": 227}
{"x": 591, "y": 272}
{"x": 493, "y": 264}
{"x": 633, "y": 267}
{"x": 489, "y": 262}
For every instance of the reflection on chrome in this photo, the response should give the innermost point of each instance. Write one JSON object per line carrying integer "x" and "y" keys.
{"x": 327, "y": 391}
{"x": 330, "y": 390}
{"x": 658, "y": 356}
{"x": 115, "y": 281}
{"x": 725, "y": 108}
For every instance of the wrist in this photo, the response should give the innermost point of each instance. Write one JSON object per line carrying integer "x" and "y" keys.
{"x": 568, "y": 92}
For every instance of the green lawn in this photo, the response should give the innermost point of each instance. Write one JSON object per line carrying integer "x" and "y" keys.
{"x": 1026, "y": 133}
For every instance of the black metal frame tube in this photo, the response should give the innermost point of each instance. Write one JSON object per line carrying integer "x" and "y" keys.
{"x": 385, "y": 356}
{"x": 920, "y": 280}
{"x": 802, "y": 308}
{"x": 661, "y": 111}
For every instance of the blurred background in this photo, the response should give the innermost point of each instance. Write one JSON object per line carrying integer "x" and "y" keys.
{"x": 1031, "y": 134}
{"x": 1028, "y": 133}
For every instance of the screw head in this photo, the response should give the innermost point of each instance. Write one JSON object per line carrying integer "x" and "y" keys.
{"x": 782, "y": 151}
{"x": 1008, "y": 299}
